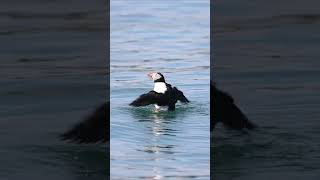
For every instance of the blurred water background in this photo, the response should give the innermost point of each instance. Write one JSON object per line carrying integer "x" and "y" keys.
{"x": 171, "y": 37}
{"x": 53, "y": 70}
{"x": 266, "y": 54}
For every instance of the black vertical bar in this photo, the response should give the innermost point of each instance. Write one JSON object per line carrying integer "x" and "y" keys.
{"x": 108, "y": 86}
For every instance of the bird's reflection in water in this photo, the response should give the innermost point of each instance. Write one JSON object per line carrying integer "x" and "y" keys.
{"x": 162, "y": 128}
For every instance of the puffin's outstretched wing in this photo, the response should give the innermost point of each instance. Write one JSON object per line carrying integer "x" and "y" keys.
{"x": 224, "y": 110}
{"x": 180, "y": 96}
{"x": 92, "y": 129}
{"x": 151, "y": 97}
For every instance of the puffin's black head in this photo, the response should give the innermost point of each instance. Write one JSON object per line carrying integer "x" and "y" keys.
{"x": 156, "y": 77}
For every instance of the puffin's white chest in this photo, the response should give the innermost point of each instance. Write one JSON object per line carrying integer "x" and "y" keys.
{"x": 160, "y": 87}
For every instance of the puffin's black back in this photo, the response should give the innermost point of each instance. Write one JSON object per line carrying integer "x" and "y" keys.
{"x": 92, "y": 129}
{"x": 223, "y": 109}
{"x": 169, "y": 98}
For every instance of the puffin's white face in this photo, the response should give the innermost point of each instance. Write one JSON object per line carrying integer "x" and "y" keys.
{"x": 154, "y": 76}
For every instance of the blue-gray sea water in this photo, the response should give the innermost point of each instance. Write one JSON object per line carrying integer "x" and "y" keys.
{"x": 266, "y": 54}
{"x": 171, "y": 37}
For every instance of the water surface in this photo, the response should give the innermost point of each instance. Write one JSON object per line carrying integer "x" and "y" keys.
{"x": 52, "y": 74}
{"x": 171, "y": 37}
{"x": 266, "y": 55}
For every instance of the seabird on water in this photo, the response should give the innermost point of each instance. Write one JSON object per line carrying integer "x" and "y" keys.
{"x": 162, "y": 95}
{"x": 95, "y": 127}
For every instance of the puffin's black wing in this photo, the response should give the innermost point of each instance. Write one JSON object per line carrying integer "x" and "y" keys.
{"x": 225, "y": 110}
{"x": 151, "y": 97}
{"x": 180, "y": 96}
{"x": 92, "y": 129}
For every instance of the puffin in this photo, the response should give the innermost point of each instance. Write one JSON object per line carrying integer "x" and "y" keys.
{"x": 224, "y": 110}
{"x": 162, "y": 96}
{"x": 95, "y": 127}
